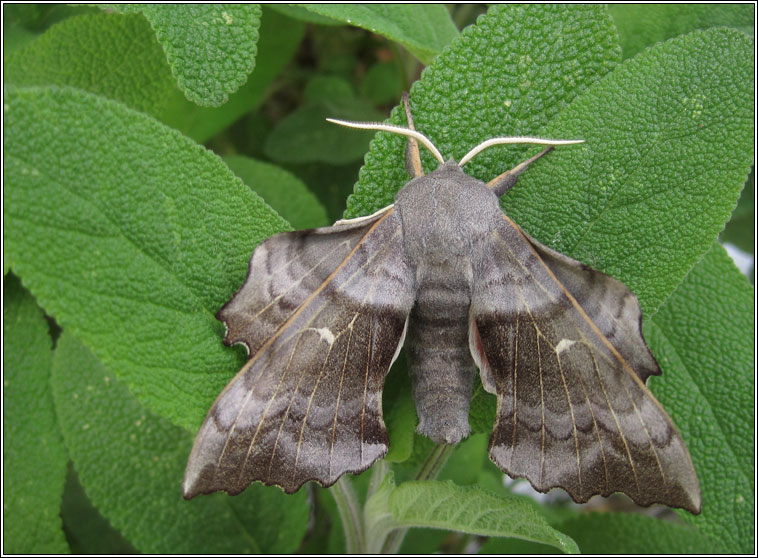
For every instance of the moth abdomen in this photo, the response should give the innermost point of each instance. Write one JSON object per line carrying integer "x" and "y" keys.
{"x": 440, "y": 364}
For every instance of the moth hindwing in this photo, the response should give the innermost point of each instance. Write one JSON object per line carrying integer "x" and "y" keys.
{"x": 325, "y": 312}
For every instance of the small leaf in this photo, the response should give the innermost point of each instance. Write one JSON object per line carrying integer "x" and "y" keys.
{"x": 305, "y": 136}
{"x": 211, "y": 48}
{"x": 34, "y": 458}
{"x": 282, "y": 190}
{"x": 131, "y": 463}
{"x": 703, "y": 336}
{"x": 131, "y": 236}
{"x": 383, "y": 83}
{"x": 444, "y": 505}
{"x": 278, "y": 42}
{"x": 642, "y": 25}
{"x": 424, "y": 29}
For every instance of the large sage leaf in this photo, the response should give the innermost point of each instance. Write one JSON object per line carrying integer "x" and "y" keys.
{"x": 132, "y": 236}
{"x": 34, "y": 458}
{"x": 131, "y": 463}
{"x": 703, "y": 336}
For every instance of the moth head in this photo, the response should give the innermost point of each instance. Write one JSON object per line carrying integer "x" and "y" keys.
{"x": 403, "y": 131}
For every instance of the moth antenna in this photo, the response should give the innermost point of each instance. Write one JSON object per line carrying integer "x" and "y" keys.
{"x": 393, "y": 129}
{"x": 500, "y": 141}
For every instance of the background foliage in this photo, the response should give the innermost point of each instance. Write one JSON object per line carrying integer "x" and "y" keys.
{"x": 149, "y": 149}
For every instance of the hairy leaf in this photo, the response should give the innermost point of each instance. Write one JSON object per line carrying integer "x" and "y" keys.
{"x": 211, "y": 48}
{"x": 616, "y": 533}
{"x": 444, "y": 505}
{"x": 34, "y": 458}
{"x": 703, "y": 335}
{"x": 87, "y": 52}
{"x": 131, "y": 462}
{"x": 132, "y": 236}
{"x": 424, "y": 29}
{"x": 641, "y": 25}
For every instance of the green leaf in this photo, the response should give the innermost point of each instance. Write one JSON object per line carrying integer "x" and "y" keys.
{"x": 641, "y": 25}
{"x": 466, "y": 463}
{"x": 444, "y": 505}
{"x": 507, "y": 75}
{"x": 87, "y": 52}
{"x": 383, "y": 83}
{"x": 278, "y": 42}
{"x": 424, "y": 29}
{"x": 617, "y": 533}
{"x": 703, "y": 337}
{"x": 282, "y": 190}
{"x": 211, "y": 48}
{"x": 87, "y": 531}
{"x": 131, "y": 236}
{"x": 131, "y": 463}
{"x": 298, "y": 12}
{"x": 668, "y": 145}
{"x": 34, "y": 458}
{"x": 305, "y": 136}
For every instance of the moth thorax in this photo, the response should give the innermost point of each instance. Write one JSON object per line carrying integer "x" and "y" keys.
{"x": 444, "y": 215}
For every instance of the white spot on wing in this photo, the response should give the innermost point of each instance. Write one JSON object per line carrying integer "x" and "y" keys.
{"x": 325, "y": 334}
{"x": 563, "y": 345}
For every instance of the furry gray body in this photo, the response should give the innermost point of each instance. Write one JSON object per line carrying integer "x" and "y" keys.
{"x": 446, "y": 219}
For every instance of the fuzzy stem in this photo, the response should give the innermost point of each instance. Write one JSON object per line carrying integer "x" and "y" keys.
{"x": 352, "y": 520}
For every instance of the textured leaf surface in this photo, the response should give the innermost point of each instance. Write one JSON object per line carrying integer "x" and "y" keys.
{"x": 87, "y": 531}
{"x": 424, "y": 29}
{"x": 131, "y": 463}
{"x": 132, "y": 236}
{"x": 305, "y": 136}
{"x": 87, "y": 52}
{"x": 282, "y": 190}
{"x": 703, "y": 335}
{"x": 211, "y": 48}
{"x": 641, "y": 25}
{"x": 444, "y": 505}
{"x": 668, "y": 147}
{"x": 278, "y": 42}
{"x": 616, "y": 533}
{"x": 508, "y": 75}
{"x": 34, "y": 458}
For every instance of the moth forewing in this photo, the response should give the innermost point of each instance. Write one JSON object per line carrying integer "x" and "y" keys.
{"x": 324, "y": 315}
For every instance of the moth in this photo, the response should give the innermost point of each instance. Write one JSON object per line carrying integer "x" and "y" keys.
{"x": 445, "y": 273}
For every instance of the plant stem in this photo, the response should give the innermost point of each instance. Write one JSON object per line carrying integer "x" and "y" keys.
{"x": 352, "y": 520}
{"x": 429, "y": 470}
{"x": 434, "y": 463}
